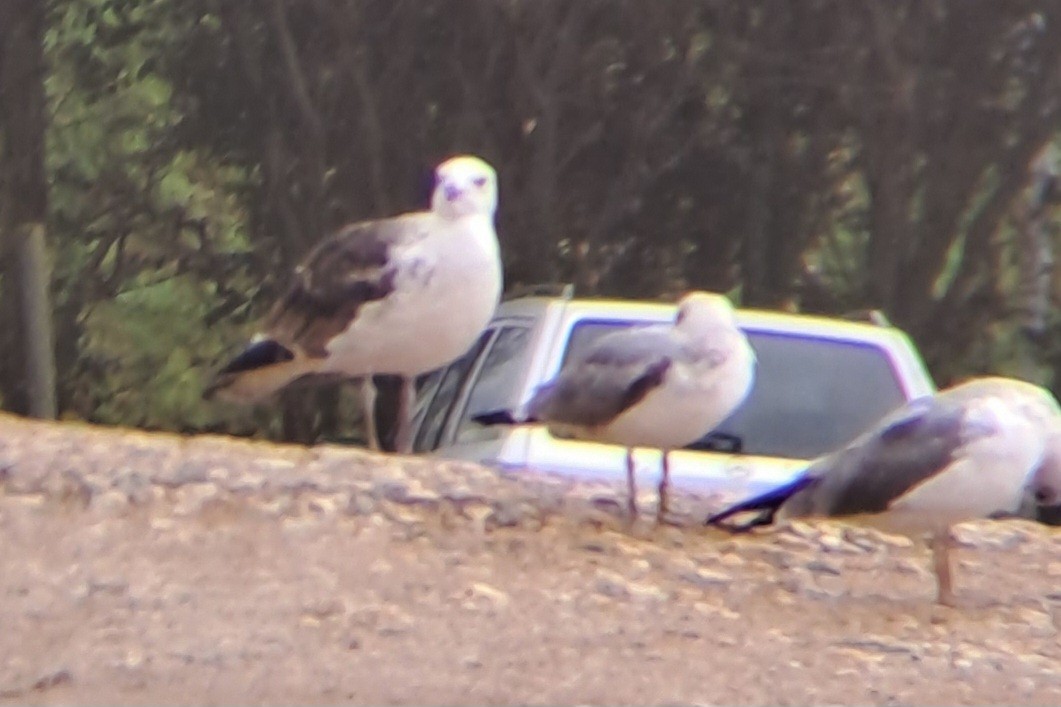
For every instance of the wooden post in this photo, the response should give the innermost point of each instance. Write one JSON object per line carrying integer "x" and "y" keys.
{"x": 28, "y": 380}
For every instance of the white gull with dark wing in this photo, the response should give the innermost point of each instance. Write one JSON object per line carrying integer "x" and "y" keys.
{"x": 660, "y": 386}
{"x": 401, "y": 295}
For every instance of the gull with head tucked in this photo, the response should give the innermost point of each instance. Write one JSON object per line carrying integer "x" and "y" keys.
{"x": 976, "y": 450}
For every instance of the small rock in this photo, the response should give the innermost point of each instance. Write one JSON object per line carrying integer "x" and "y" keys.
{"x": 325, "y": 506}
{"x": 607, "y": 504}
{"x": 1027, "y": 685}
{"x": 391, "y": 490}
{"x": 69, "y": 487}
{"x": 799, "y": 582}
{"x": 611, "y": 584}
{"x": 135, "y": 486}
{"x": 794, "y": 542}
{"x": 509, "y": 514}
{"x": 278, "y": 506}
{"x": 380, "y": 566}
{"x": 395, "y": 624}
{"x": 640, "y": 566}
{"x": 706, "y": 579}
{"x": 52, "y": 679}
{"x": 879, "y": 644}
{"x": 189, "y": 472}
{"x": 832, "y": 542}
{"x": 459, "y": 494}
{"x": 728, "y": 547}
{"x": 714, "y": 610}
{"x": 642, "y": 591}
{"x": 593, "y": 546}
{"x": 478, "y": 513}
{"x": 162, "y": 524}
{"x": 110, "y": 503}
{"x": 822, "y": 567}
{"x": 417, "y": 492}
{"x": 114, "y": 586}
{"x": 914, "y": 568}
{"x": 802, "y": 530}
{"x": 239, "y": 484}
{"x": 1039, "y": 663}
{"x": 1040, "y": 622}
{"x": 401, "y": 513}
{"x": 360, "y": 504}
{"x": 777, "y": 557}
{"x": 323, "y": 608}
{"x": 857, "y": 537}
{"x": 996, "y": 536}
{"x": 133, "y": 660}
{"x": 731, "y": 559}
{"x": 191, "y": 498}
{"x": 897, "y": 541}
{"x": 492, "y": 594}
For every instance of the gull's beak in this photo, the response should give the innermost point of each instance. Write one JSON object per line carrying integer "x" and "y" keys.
{"x": 452, "y": 192}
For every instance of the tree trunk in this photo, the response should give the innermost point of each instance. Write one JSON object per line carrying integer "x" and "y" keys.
{"x": 1036, "y": 258}
{"x": 27, "y": 379}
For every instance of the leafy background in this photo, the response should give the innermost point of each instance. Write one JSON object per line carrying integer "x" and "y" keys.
{"x": 820, "y": 156}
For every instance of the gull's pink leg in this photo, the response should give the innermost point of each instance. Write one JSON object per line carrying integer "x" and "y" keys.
{"x": 664, "y": 488}
{"x": 941, "y": 543}
{"x": 631, "y": 485}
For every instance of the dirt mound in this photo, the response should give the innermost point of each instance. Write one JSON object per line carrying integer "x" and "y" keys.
{"x": 139, "y": 568}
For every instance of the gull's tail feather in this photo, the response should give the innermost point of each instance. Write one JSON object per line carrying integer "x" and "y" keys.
{"x": 261, "y": 369}
{"x": 766, "y": 503}
{"x": 501, "y": 417}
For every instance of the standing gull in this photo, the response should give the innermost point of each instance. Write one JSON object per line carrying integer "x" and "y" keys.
{"x": 973, "y": 451}
{"x": 401, "y": 295}
{"x": 661, "y": 386}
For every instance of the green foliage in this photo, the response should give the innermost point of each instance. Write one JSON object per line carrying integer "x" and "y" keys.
{"x": 150, "y": 238}
{"x": 142, "y": 338}
{"x": 809, "y": 154}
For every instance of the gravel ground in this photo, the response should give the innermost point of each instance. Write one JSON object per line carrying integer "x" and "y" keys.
{"x": 141, "y": 568}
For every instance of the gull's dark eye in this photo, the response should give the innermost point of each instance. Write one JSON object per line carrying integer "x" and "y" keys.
{"x": 479, "y": 182}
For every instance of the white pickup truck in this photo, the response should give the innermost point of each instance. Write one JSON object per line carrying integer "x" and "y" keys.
{"x": 819, "y": 383}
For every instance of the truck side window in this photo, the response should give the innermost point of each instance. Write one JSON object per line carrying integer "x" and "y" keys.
{"x": 496, "y": 386}
{"x": 801, "y": 404}
{"x": 446, "y": 393}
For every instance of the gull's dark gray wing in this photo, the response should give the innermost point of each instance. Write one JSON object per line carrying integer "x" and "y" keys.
{"x": 617, "y": 372}
{"x": 904, "y": 451}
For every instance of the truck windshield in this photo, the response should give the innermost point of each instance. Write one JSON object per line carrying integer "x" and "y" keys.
{"x": 811, "y": 394}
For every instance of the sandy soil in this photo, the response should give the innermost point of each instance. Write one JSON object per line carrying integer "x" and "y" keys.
{"x": 140, "y": 569}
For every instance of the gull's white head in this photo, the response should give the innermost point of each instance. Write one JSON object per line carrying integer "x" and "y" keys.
{"x": 704, "y": 310}
{"x": 464, "y": 186}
